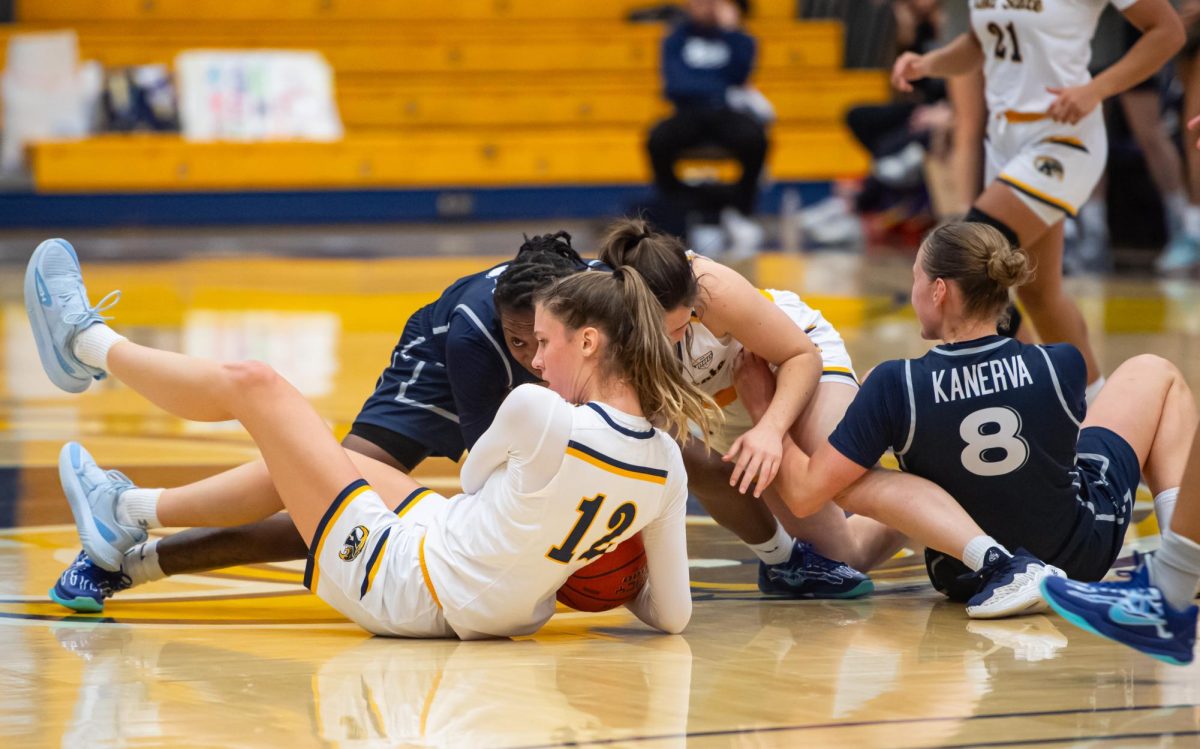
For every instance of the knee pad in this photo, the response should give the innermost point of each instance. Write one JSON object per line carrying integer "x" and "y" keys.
{"x": 977, "y": 216}
{"x": 945, "y": 572}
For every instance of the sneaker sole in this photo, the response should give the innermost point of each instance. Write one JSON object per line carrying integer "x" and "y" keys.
{"x": 47, "y": 351}
{"x": 102, "y": 551}
{"x": 1086, "y": 626}
{"x": 1037, "y": 605}
{"x": 866, "y": 587}
{"x": 83, "y": 605}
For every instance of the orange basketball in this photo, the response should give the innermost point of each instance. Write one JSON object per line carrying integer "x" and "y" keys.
{"x": 613, "y": 579}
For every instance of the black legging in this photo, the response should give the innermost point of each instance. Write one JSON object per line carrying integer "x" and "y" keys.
{"x": 741, "y": 135}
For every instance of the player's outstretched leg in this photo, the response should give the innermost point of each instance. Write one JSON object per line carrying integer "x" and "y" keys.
{"x": 307, "y": 465}
{"x": 1132, "y": 611}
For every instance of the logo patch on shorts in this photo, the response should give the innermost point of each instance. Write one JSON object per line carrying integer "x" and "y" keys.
{"x": 354, "y": 544}
{"x": 703, "y": 361}
{"x": 1049, "y": 166}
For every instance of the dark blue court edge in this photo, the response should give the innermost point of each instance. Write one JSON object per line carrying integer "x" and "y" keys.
{"x": 30, "y": 210}
{"x": 903, "y": 721}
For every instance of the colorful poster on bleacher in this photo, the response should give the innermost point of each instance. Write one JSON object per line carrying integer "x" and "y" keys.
{"x": 256, "y": 95}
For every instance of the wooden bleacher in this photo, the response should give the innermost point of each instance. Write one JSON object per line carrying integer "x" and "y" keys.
{"x": 450, "y": 93}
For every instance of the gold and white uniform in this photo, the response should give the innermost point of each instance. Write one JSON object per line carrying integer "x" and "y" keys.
{"x": 708, "y": 362}
{"x": 548, "y": 488}
{"x": 1028, "y": 47}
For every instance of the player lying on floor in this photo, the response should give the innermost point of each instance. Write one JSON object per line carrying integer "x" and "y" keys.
{"x": 999, "y": 424}
{"x": 487, "y": 563}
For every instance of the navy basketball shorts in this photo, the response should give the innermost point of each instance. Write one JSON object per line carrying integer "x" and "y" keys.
{"x": 1109, "y": 475}
{"x": 412, "y": 414}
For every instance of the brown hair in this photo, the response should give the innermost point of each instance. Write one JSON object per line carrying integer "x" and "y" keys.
{"x": 980, "y": 260}
{"x": 660, "y": 258}
{"x": 622, "y": 305}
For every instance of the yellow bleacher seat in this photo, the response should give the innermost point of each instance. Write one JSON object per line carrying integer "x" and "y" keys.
{"x": 270, "y": 10}
{"x": 597, "y": 47}
{"x": 391, "y": 102}
{"x": 428, "y": 159}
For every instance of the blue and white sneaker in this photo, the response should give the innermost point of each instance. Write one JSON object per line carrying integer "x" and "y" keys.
{"x": 57, "y": 303}
{"x": 93, "y": 493}
{"x": 1011, "y": 585}
{"x": 84, "y": 586}
{"x": 807, "y": 574}
{"x": 1133, "y": 612}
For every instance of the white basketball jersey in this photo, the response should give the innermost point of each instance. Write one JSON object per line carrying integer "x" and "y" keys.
{"x": 1029, "y": 45}
{"x": 497, "y": 557}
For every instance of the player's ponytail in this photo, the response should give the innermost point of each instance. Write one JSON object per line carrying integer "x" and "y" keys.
{"x": 980, "y": 260}
{"x": 622, "y": 305}
{"x": 540, "y": 261}
{"x": 660, "y": 258}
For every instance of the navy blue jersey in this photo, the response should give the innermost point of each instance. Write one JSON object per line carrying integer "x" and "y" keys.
{"x": 994, "y": 422}
{"x": 464, "y": 330}
{"x": 461, "y": 333}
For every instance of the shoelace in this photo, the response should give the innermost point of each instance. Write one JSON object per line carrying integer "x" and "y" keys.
{"x": 117, "y": 477}
{"x": 1143, "y": 603}
{"x": 94, "y": 312}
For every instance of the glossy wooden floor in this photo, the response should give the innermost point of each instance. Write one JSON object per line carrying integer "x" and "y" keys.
{"x": 246, "y": 657}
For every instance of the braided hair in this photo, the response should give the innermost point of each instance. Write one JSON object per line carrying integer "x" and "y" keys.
{"x": 541, "y": 261}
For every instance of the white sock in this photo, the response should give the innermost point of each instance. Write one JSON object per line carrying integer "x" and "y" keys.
{"x": 975, "y": 552}
{"x": 1176, "y": 205}
{"x": 1175, "y": 569}
{"x": 1191, "y": 220}
{"x": 141, "y": 563}
{"x": 1092, "y": 390}
{"x": 1164, "y": 508}
{"x": 139, "y": 507}
{"x": 775, "y": 550}
{"x": 92, "y": 345}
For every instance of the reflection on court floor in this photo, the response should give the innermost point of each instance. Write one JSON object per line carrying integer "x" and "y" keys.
{"x": 246, "y": 657}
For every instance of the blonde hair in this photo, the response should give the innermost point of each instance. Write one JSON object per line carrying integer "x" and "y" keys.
{"x": 981, "y": 261}
{"x": 622, "y": 306}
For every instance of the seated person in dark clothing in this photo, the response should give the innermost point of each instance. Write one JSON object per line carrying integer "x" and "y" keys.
{"x": 704, "y": 59}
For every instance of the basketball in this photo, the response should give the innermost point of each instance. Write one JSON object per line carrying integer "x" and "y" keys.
{"x": 610, "y": 581}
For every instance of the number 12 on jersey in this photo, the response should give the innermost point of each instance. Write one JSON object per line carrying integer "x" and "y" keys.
{"x": 589, "y": 508}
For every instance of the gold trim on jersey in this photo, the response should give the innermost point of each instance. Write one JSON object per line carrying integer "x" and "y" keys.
{"x": 1013, "y": 115}
{"x": 332, "y": 515}
{"x": 1069, "y": 142}
{"x": 612, "y": 465}
{"x": 425, "y": 573}
{"x": 374, "y": 563}
{"x": 1037, "y": 194}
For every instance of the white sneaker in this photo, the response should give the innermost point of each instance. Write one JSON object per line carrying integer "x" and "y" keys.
{"x": 1012, "y": 587}
{"x": 707, "y": 240}
{"x": 746, "y": 236}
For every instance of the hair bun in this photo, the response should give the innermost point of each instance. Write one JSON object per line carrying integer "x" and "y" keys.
{"x": 1008, "y": 266}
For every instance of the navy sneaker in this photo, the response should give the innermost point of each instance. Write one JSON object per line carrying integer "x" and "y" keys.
{"x": 1011, "y": 585}
{"x": 85, "y": 585}
{"x": 807, "y": 574}
{"x": 1132, "y": 611}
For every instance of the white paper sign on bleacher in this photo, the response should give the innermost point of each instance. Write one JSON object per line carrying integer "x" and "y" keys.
{"x": 256, "y": 95}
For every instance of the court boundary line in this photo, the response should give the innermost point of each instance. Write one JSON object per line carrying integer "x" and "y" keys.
{"x": 895, "y": 721}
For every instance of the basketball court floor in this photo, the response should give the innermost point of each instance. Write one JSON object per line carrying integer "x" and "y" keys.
{"x": 246, "y": 657}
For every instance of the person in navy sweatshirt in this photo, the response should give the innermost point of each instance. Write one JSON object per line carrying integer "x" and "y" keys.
{"x": 706, "y": 62}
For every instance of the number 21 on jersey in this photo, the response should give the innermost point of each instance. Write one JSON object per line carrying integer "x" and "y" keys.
{"x": 589, "y": 508}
